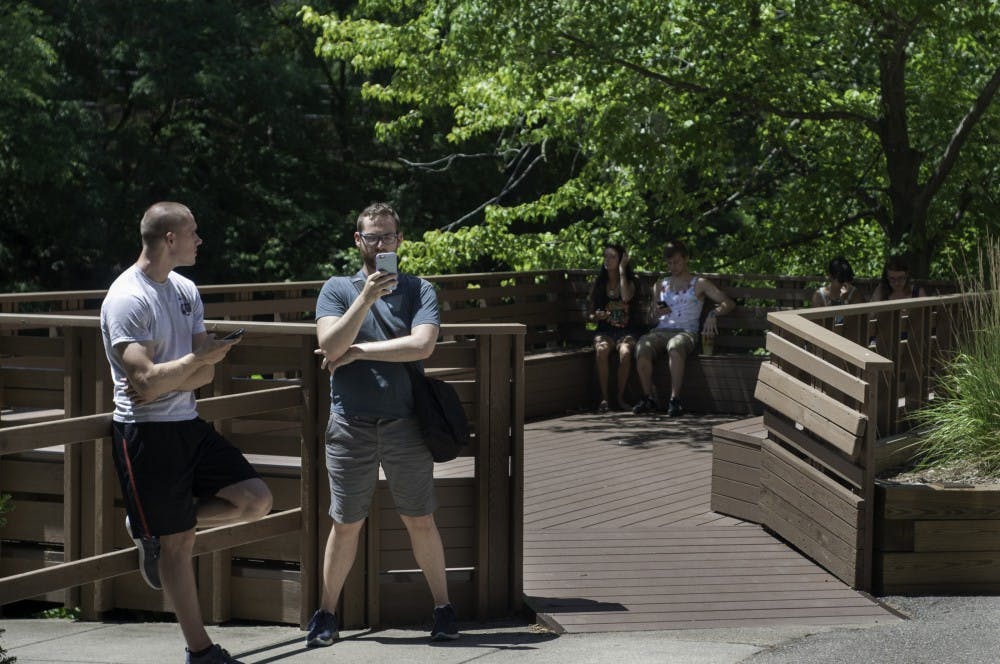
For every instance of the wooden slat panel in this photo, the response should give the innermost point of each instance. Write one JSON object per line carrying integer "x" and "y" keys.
{"x": 816, "y": 366}
{"x": 931, "y": 502}
{"x": 31, "y": 476}
{"x": 268, "y": 600}
{"x": 22, "y": 344}
{"x": 823, "y": 454}
{"x": 748, "y": 511}
{"x": 844, "y": 441}
{"x": 822, "y": 404}
{"x": 834, "y": 506}
{"x": 42, "y": 399}
{"x": 966, "y": 535}
{"x": 745, "y": 458}
{"x": 32, "y": 379}
{"x": 35, "y": 521}
{"x": 750, "y": 430}
{"x": 734, "y": 488}
{"x": 953, "y": 567}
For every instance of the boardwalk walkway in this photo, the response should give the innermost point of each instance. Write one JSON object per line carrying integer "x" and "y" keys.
{"x": 619, "y": 537}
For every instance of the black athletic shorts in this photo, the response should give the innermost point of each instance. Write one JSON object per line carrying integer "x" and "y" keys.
{"x": 163, "y": 467}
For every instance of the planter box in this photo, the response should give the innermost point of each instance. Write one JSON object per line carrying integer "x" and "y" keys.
{"x": 933, "y": 539}
{"x": 929, "y": 539}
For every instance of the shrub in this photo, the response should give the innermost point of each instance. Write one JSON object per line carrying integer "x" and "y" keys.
{"x": 962, "y": 422}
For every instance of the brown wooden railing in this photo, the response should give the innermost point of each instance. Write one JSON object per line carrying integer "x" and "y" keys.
{"x": 64, "y": 540}
{"x": 830, "y": 399}
{"x": 552, "y": 304}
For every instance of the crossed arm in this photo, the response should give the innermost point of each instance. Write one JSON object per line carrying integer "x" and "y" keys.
{"x": 146, "y": 380}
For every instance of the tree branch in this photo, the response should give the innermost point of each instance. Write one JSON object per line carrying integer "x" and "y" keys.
{"x": 437, "y": 167}
{"x": 959, "y": 137}
{"x": 748, "y": 186}
{"x": 512, "y": 182}
{"x": 716, "y": 95}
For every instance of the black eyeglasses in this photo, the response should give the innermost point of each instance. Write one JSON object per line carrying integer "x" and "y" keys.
{"x": 385, "y": 238}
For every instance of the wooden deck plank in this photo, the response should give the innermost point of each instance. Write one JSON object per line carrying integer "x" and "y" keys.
{"x": 619, "y": 536}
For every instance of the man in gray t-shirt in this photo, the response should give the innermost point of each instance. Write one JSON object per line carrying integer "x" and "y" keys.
{"x": 371, "y": 415}
{"x": 175, "y": 470}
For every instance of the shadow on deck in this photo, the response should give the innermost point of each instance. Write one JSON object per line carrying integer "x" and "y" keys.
{"x": 618, "y": 536}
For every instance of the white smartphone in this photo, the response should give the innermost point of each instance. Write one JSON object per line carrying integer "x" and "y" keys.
{"x": 387, "y": 262}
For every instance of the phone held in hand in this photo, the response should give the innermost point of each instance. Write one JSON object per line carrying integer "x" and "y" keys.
{"x": 235, "y": 334}
{"x": 387, "y": 262}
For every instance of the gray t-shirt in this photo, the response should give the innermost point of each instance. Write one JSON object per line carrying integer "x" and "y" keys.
{"x": 367, "y": 388}
{"x": 137, "y": 308}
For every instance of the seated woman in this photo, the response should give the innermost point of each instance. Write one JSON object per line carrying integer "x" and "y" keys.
{"x": 896, "y": 283}
{"x": 841, "y": 289}
{"x": 610, "y": 306}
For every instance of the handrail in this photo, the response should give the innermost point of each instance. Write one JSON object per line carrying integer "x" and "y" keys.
{"x": 844, "y": 349}
{"x": 124, "y": 561}
{"x": 263, "y": 327}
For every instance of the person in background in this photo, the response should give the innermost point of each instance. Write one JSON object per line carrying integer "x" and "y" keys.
{"x": 174, "y": 468}
{"x": 896, "y": 283}
{"x": 840, "y": 289}
{"x": 610, "y": 307}
{"x": 676, "y": 307}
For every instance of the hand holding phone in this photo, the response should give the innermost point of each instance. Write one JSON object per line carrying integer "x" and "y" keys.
{"x": 235, "y": 334}
{"x": 387, "y": 262}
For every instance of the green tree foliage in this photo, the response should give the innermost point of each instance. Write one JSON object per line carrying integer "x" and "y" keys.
{"x": 772, "y": 135}
{"x": 106, "y": 107}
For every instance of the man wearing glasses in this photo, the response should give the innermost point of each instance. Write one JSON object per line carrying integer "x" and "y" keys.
{"x": 371, "y": 415}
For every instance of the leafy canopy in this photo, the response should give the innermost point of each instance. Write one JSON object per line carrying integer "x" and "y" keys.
{"x": 771, "y": 135}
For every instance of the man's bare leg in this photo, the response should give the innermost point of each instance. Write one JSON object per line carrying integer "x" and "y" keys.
{"x": 429, "y": 553}
{"x": 177, "y": 576}
{"x": 243, "y": 501}
{"x": 341, "y": 550}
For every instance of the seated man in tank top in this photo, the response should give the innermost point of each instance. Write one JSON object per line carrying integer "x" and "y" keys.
{"x": 676, "y": 309}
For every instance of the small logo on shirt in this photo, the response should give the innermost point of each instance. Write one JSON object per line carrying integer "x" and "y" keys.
{"x": 185, "y": 305}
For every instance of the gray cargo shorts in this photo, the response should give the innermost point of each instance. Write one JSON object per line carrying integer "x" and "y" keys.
{"x": 355, "y": 447}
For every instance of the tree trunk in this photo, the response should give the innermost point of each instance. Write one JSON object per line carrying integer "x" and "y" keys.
{"x": 906, "y": 225}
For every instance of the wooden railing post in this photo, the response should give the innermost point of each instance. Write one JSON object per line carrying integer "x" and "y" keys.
{"x": 484, "y": 441}
{"x": 97, "y": 473}
{"x": 867, "y": 545}
{"x": 73, "y": 471}
{"x": 310, "y": 572}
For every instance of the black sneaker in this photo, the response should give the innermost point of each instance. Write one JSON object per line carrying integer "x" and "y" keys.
{"x": 445, "y": 627}
{"x": 149, "y": 557}
{"x": 215, "y": 655}
{"x": 646, "y": 405}
{"x": 323, "y": 629}
{"x": 674, "y": 408}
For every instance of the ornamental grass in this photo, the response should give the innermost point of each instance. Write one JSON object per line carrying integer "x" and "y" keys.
{"x": 962, "y": 423}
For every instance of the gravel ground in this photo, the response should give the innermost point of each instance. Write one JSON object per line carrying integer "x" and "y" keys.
{"x": 940, "y": 630}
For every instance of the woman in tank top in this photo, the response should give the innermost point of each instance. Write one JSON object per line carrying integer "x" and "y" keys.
{"x": 611, "y": 299}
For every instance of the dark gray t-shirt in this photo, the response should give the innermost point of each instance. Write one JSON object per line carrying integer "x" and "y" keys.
{"x": 367, "y": 388}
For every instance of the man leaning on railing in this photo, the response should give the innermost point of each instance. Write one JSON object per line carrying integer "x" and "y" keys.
{"x": 175, "y": 470}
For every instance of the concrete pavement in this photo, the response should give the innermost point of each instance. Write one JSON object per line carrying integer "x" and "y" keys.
{"x": 947, "y": 629}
